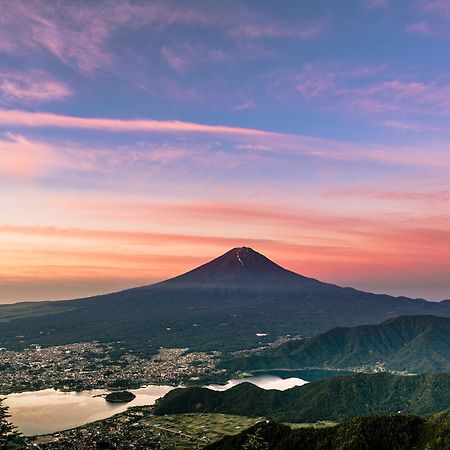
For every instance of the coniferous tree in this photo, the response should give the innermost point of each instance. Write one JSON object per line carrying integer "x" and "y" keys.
{"x": 9, "y": 436}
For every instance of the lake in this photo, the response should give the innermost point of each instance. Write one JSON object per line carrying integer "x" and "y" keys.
{"x": 49, "y": 410}
{"x": 262, "y": 381}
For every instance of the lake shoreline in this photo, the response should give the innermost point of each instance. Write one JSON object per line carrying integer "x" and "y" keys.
{"x": 49, "y": 411}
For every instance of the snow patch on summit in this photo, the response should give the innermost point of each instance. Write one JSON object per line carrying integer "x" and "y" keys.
{"x": 239, "y": 258}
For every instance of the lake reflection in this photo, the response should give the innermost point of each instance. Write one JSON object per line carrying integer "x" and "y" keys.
{"x": 48, "y": 411}
{"x": 262, "y": 381}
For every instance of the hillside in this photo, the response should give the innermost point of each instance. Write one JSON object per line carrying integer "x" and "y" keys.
{"x": 394, "y": 432}
{"x": 416, "y": 344}
{"x": 333, "y": 399}
{"x": 239, "y": 300}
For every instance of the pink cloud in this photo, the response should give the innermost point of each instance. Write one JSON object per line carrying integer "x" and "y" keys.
{"x": 184, "y": 57}
{"x": 435, "y": 22}
{"x": 131, "y": 237}
{"x": 79, "y": 34}
{"x": 257, "y": 146}
{"x": 325, "y": 225}
{"x": 256, "y": 29}
{"x": 441, "y": 196}
{"x": 420, "y": 28}
{"x": 437, "y": 6}
{"x": 30, "y": 119}
{"x": 34, "y": 86}
{"x": 353, "y": 89}
{"x": 341, "y": 244}
{"x": 429, "y": 29}
{"x": 244, "y": 106}
{"x": 175, "y": 60}
{"x": 413, "y": 238}
{"x": 22, "y": 159}
{"x": 406, "y": 126}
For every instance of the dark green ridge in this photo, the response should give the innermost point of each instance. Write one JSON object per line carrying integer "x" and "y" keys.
{"x": 392, "y": 432}
{"x": 334, "y": 399}
{"x": 415, "y": 344}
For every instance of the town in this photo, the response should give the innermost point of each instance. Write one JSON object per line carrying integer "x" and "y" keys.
{"x": 84, "y": 366}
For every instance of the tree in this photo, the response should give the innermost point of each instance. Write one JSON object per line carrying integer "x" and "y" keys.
{"x": 255, "y": 442}
{"x": 10, "y": 438}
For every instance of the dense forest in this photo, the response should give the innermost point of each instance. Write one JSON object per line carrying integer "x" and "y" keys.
{"x": 391, "y": 432}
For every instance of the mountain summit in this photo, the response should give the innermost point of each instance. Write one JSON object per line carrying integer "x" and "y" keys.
{"x": 236, "y": 301}
{"x": 240, "y": 266}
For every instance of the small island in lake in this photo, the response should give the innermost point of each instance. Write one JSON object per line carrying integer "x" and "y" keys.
{"x": 120, "y": 397}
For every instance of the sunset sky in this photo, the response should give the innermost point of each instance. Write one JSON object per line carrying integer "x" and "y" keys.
{"x": 139, "y": 139}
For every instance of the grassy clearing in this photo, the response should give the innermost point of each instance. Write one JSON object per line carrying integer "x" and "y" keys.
{"x": 184, "y": 431}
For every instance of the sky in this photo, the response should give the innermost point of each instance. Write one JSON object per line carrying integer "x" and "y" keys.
{"x": 139, "y": 139}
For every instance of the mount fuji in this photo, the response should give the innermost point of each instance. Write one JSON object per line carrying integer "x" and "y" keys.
{"x": 239, "y": 300}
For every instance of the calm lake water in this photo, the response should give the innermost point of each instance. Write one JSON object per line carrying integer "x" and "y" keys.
{"x": 262, "y": 381}
{"x": 48, "y": 411}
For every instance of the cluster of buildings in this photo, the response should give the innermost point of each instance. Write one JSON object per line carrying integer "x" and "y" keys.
{"x": 129, "y": 432}
{"x": 84, "y": 366}
{"x": 135, "y": 428}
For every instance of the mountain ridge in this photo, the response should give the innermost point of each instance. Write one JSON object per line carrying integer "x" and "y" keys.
{"x": 336, "y": 399}
{"x": 414, "y": 344}
{"x": 384, "y": 432}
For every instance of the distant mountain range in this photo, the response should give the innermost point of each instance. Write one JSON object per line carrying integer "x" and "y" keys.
{"x": 237, "y": 301}
{"x": 414, "y": 344}
{"x": 391, "y": 432}
{"x": 334, "y": 399}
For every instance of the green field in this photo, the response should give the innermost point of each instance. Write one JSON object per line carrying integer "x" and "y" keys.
{"x": 320, "y": 424}
{"x": 184, "y": 431}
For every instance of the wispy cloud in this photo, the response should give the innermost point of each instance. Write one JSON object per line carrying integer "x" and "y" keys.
{"x": 437, "y": 6}
{"x": 21, "y": 159}
{"x": 407, "y": 126}
{"x": 427, "y": 28}
{"x": 79, "y": 34}
{"x": 424, "y": 196}
{"x": 184, "y": 57}
{"x": 35, "y": 120}
{"x": 258, "y": 145}
{"x": 274, "y": 30}
{"x": 244, "y": 106}
{"x": 372, "y": 90}
{"x": 433, "y": 20}
{"x": 34, "y": 86}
